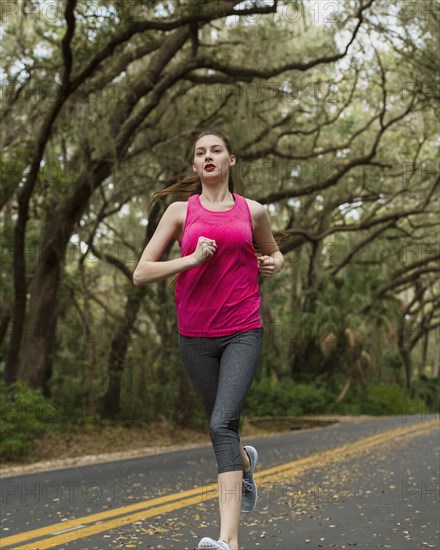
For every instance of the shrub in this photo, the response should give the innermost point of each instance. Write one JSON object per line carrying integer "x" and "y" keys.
{"x": 23, "y": 416}
{"x": 384, "y": 399}
{"x": 286, "y": 398}
{"x": 426, "y": 390}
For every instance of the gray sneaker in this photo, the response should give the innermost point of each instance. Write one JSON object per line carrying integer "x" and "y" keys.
{"x": 207, "y": 543}
{"x": 249, "y": 494}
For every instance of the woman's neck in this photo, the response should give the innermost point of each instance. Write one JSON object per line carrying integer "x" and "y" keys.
{"x": 216, "y": 197}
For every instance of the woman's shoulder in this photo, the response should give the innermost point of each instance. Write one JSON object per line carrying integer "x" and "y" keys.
{"x": 253, "y": 204}
{"x": 178, "y": 208}
{"x": 256, "y": 209}
{"x": 178, "y": 211}
{"x": 178, "y": 205}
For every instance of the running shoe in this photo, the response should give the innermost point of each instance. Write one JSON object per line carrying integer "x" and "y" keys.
{"x": 207, "y": 543}
{"x": 249, "y": 494}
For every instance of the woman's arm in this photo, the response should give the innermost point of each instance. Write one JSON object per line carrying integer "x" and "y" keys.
{"x": 149, "y": 268}
{"x": 271, "y": 261}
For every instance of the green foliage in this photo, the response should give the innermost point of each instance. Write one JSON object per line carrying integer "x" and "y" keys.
{"x": 286, "y": 398}
{"x": 383, "y": 398}
{"x": 289, "y": 398}
{"x": 25, "y": 414}
{"x": 374, "y": 399}
{"x": 328, "y": 187}
{"x": 159, "y": 400}
{"x": 73, "y": 392}
{"x": 393, "y": 367}
{"x": 426, "y": 390}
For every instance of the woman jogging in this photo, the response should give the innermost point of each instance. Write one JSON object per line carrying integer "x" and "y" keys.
{"x": 218, "y": 308}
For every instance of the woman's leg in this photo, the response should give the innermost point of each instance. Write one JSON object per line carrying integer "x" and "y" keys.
{"x": 229, "y": 498}
{"x": 238, "y": 365}
{"x": 239, "y": 362}
{"x": 222, "y": 371}
{"x": 201, "y": 358}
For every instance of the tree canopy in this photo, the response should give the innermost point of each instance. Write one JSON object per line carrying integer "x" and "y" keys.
{"x": 332, "y": 110}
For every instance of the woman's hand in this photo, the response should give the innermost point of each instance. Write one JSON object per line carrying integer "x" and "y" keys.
{"x": 205, "y": 249}
{"x": 269, "y": 266}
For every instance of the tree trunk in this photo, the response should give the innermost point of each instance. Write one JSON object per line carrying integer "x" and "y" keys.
{"x": 111, "y": 404}
{"x": 38, "y": 333}
{"x": 19, "y": 306}
{"x": 295, "y": 306}
{"x": 424, "y": 361}
{"x": 40, "y": 323}
{"x": 405, "y": 354}
{"x": 302, "y": 364}
{"x": 408, "y": 366}
{"x": 4, "y": 323}
{"x": 273, "y": 332}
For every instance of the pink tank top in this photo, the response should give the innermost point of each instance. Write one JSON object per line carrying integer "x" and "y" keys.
{"x": 220, "y": 296}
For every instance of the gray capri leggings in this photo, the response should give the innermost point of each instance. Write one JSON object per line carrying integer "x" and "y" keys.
{"x": 222, "y": 370}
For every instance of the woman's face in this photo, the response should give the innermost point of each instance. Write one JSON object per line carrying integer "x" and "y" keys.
{"x": 212, "y": 161}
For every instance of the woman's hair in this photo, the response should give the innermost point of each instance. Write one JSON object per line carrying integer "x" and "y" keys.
{"x": 183, "y": 189}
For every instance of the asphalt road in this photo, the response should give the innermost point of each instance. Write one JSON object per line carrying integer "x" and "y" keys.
{"x": 359, "y": 486}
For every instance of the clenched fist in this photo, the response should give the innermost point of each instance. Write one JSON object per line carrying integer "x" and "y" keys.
{"x": 268, "y": 266}
{"x": 205, "y": 249}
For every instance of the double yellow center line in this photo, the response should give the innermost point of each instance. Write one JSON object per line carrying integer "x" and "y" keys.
{"x": 68, "y": 531}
